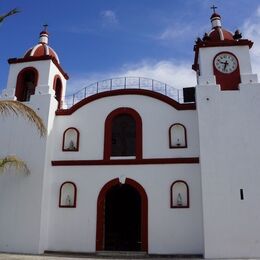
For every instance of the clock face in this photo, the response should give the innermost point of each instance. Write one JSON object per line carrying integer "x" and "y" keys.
{"x": 225, "y": 63}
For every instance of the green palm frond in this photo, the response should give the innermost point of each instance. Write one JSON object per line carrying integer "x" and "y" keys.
{"x": 12, "y": 12}
{"x": 19, "y": 109}
{"x": 12, "y": 161}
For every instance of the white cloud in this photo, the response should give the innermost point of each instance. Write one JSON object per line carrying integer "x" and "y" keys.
{"x": 173, "y": 32}
{"x": 251, "y": 31}
{"x": 177, "y": 74}
{"x": 109, "y": 18}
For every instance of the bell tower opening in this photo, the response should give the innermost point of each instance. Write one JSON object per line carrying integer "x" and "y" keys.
{"x": 26, "y": 84}
{"x": 58, "y": 91}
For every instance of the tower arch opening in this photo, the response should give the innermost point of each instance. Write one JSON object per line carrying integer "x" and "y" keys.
{"x": 26, "y": 84}
{"x": 57, "y": 86}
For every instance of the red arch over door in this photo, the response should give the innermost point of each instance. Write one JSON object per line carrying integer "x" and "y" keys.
{"x": 101, "y": 216}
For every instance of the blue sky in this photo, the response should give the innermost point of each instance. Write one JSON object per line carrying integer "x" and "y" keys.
{"x": 99, "y": 39}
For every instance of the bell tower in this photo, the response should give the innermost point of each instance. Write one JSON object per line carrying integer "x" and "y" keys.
{"x": 38, "y": 80}
{"x": 228, "y": 99}
{"x": 37, "y": 73}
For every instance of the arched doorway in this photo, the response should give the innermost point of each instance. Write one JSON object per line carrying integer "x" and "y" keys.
{"x": 122, "y": 212}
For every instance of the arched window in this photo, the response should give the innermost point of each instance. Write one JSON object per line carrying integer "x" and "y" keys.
{"x": 123, "y": 134}
{"x": 70, "y": 140}
{"x": 180, "y": 194}
{"x": 177, "y": 136}
{"x": 68, "y": 195}
{"x": 57, "y": 86}
{"x": 26, "y": 83}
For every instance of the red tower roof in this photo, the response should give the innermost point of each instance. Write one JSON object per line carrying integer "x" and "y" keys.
{"x": 42, "y": 48}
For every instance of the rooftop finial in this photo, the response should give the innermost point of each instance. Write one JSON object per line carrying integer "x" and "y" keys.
{"x": 213, "y": 7}
{"x": 44, "y": 35}
{"x": 215, "y": 18}
{"x": 45, "y": 26}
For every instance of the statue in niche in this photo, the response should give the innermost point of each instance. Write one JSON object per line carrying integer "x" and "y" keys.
{"x": 179, "y": 200}
{"x": 72, "y": 146}
{"x": 68, "y": 201}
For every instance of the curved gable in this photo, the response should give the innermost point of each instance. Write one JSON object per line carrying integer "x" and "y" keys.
{"x": 143, "y": 92}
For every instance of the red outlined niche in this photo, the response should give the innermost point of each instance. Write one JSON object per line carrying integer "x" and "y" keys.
{"x": 108, "y": 138}
{"x": 68, "y": 195}
{"x": 70, "y": 142}
{"x": 177, "y": 136}
{"x": 179, "y": 193}
{"x": 100, "y": 231}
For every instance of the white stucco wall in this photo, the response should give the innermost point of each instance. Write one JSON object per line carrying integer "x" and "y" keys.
{"x": 49, "y": 227}
{"x": 229, "y": 127}
{"x": 157, "y": 117}
{"x": 170, "y": 230}
{"x": 20, "y": 195}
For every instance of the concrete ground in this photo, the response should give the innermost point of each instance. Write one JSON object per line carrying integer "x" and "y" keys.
{"x": 4, "y": 256}
{"x": 75, "y": 257}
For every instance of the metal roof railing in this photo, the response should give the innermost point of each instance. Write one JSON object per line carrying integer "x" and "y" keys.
{"x": 124, "y": 83}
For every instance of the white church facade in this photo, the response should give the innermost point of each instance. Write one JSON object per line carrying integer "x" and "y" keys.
{"x": 136, "y": 168}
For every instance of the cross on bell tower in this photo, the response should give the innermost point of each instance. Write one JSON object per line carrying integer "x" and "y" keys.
{"x": 213, "y": 7}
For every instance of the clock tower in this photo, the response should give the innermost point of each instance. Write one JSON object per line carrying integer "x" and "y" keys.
{"x": 222, "y": 57}
{"x": 228, "y": 100}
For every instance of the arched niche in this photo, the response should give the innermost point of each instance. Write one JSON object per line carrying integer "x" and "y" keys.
{"x": 177, "y": 136}
{"x": 57, "y": 86}
{"x": 26, "y": 83}
{"x": 70, "y": 140}
{"x": 123, "y": 134}
{"x": 180, "y": 194}
{"x": 68, "y": 195}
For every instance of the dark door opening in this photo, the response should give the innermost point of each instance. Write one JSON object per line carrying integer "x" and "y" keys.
{"x": 123, "y": 219}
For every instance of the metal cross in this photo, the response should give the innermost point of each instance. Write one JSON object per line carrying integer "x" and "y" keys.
{"x": 214, "y": 8}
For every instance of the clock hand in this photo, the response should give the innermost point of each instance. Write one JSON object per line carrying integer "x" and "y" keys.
{"x": 226, "y": 63}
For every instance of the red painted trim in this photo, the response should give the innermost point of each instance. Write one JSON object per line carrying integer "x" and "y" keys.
{"x": 188, "y": 195}
{"x": 108, "y": 131}
{"x": 118, "y": 92}
{"x": 227, "y": 81}
{"x": 63, "y": 140}
{"x": 170, "y": 139}
{"x": 20, "y": 88}
{"x": 243, "y": 42}
{"x": 182, "y": 160}
{"x": 75, "y": 195}
{"x": 45, "y": 57}
{"x": 59, "y": 94}
{"x": 101, "y": 217}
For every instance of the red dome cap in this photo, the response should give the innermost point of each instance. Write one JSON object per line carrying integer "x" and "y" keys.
{"x": 42, "y": 48}
{"x": 220, "y": 34}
